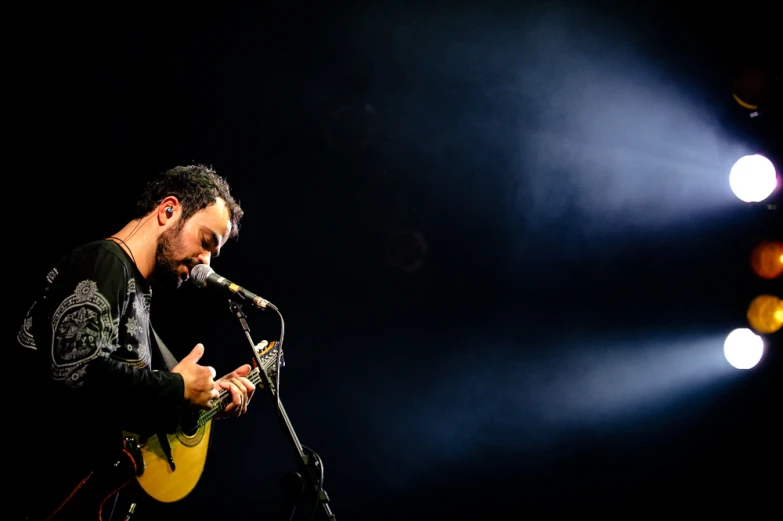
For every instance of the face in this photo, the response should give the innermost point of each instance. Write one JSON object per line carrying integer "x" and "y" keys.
{"x": 196, "y": 241}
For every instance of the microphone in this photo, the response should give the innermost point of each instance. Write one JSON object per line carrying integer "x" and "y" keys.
{"x": 202, "y": 275}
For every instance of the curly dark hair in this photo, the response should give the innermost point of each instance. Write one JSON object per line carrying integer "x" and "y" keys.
{"x": 196, "y": 187}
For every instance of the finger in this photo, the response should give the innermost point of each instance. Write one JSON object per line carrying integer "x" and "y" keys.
{"x": 244, "y": 384}
{"x": 196, "y": 354}
{"x": 242, "y": 392}
{"x": 212, "y": 371}
{"x": 247, "y": 388}
{"x": 243, "y": 395}
{"x": 236, "y": 395}
{"x": 250, "y": 388}
{"x": 221, "y": 385}
{"x": 237, "y": 383}
{"x": 242, "y": 370}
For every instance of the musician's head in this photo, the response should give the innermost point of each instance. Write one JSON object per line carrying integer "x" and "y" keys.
{"x": 196, "y": 214}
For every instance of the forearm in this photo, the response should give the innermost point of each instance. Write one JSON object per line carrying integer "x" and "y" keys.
{"x": 139, "y": 400}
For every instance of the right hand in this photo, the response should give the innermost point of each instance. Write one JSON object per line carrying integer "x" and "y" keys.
{"x": 199, "y": 380}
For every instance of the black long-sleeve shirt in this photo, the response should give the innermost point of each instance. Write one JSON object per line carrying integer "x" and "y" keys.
{"x": 96, "y": 360}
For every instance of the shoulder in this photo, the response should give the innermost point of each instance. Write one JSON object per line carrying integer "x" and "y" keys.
{"x": 108, "y": 250}
{"x": 100, "y": 261}
{"x": 98, "y": 255}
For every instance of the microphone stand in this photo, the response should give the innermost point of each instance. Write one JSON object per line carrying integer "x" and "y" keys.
{"x": 310, "y": 475}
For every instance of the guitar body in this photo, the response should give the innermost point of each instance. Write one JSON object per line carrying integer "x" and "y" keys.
{"x": 167, "y": 482}
{"x": 169, "y": 466}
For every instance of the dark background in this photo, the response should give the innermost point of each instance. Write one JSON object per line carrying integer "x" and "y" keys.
{"x": 552, "y": 353}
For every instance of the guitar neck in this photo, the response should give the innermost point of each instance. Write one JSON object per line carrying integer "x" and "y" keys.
{"x": 220, "y": 403}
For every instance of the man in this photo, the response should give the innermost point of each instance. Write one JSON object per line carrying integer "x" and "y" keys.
{"x": 97, "y": 368}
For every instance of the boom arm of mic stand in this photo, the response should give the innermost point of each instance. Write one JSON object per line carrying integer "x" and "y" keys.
{"x": 305, "y": 462}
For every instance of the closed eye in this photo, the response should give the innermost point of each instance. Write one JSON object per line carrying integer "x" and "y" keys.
{"x": 210, "y": 242}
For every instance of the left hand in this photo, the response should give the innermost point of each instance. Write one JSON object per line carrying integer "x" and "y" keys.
{"x": 241, "y": 390}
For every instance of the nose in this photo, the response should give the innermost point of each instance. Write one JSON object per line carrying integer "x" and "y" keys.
{"x": 204, "y": 258}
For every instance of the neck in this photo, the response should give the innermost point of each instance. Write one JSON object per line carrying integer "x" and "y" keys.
{"x": 268, "y": 359}
{"x": 140, "y": 243}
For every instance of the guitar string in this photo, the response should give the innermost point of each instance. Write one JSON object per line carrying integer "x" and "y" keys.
{"x": 255, "y": 379}
{"x": 205, "y": 416}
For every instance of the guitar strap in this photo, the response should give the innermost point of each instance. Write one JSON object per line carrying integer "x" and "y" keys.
{"x": 170, "y": 362}
{"x": 168, "y": 358}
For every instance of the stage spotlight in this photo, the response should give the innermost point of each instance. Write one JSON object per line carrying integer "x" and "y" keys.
{"x": 765, "y": 314}
{"x": 753, "y": 178}
{"x": 767, "y": 259}
{"x": 743, "y": 348}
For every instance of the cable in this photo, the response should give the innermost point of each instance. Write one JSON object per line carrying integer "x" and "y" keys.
{"x": 320, "y": 486}
{"x": 280, "y": 362}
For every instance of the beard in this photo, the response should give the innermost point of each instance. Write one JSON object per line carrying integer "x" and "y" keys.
{"x": 166, "y": 262}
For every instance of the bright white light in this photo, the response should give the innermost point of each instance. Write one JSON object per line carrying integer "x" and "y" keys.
{"x": 753, "y": 178}
{"x": 743, "y": 348}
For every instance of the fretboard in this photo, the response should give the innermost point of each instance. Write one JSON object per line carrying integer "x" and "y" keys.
{"x": 220, "y": 403}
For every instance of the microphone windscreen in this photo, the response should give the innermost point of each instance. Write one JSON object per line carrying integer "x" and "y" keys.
{"x": 199, "y": 274}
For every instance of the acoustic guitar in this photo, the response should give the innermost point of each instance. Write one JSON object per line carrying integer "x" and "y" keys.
{"x": 170, "y": 466}
{"x": 167, "y": 467}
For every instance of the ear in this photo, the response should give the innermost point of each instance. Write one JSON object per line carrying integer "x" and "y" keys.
{"x": 168, "y": 210}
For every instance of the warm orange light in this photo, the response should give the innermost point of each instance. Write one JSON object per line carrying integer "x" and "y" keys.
{"x": 765, "y": 314}
{"x": 767, "y": 259}
{"x": 752, "y": 87}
